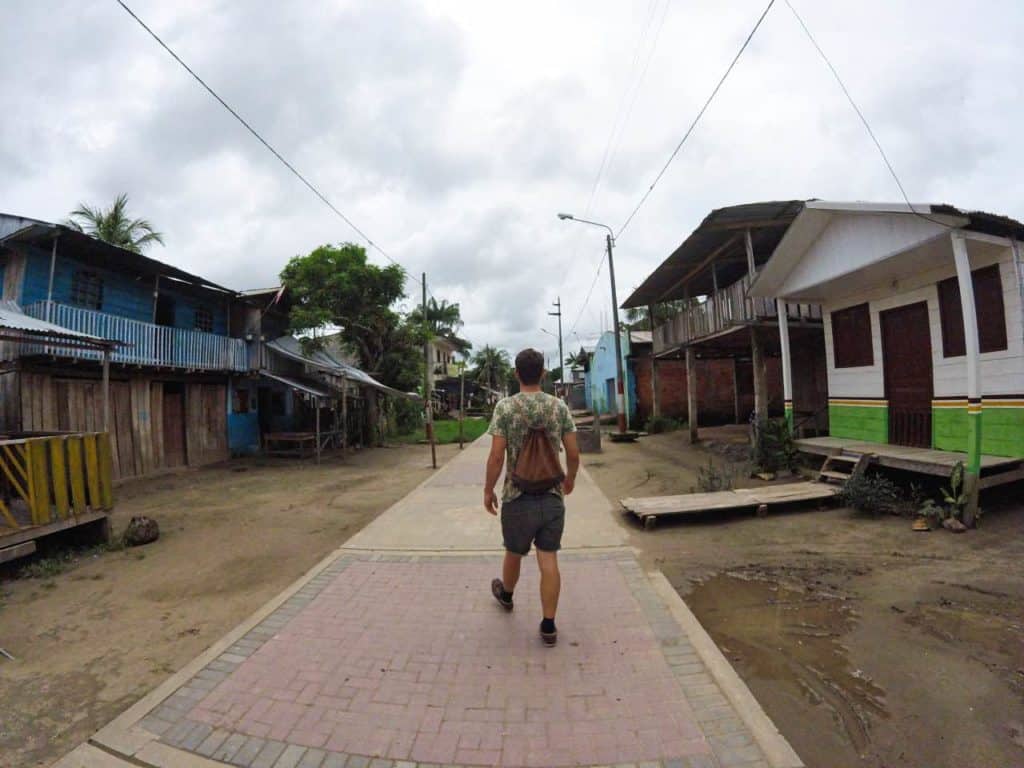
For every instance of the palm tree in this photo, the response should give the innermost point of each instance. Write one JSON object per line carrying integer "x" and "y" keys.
{"x": 113, "y": 226}
{"x": 492, "y": 367}
{"x": 443, "y": 319}
{"x": 576, "y": 358}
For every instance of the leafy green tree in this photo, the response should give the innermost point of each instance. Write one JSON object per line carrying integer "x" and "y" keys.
{"x": 638, "y": 318}
{"x": 114, "y": 226}
{"x": 336, "y": 285}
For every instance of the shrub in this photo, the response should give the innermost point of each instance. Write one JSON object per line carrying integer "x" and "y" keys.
{"x": 407, "y": 415}
{"x": 773, "y": 447}
{"x": 872, "y": 494}
{"x": 658, "y": 424}
{"x": 712, "y": 478}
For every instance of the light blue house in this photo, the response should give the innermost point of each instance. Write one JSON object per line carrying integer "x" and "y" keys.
{"x": 600, "y": 376}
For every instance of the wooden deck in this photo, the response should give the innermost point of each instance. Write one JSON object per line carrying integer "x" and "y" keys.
{"x": 20, "y": 542}
{"x": 649, "y": 509}
{"x": 921, "y": 460}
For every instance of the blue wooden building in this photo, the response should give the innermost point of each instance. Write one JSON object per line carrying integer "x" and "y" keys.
{"x": 202, "y": 372}
{"x": 170, "y": 378}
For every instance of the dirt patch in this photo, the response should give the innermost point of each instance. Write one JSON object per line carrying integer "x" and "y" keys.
{"x": 868, "y": 644}
{"x": 94, "y": 639}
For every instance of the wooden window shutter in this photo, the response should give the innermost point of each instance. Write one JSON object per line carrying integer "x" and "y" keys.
{"x": 989, "y": 310}
{"x": 851, "y": 337}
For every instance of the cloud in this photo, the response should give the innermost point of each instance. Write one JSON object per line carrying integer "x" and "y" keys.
{"x": 453, "y": 133}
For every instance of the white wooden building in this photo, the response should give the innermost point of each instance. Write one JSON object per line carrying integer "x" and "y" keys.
{"x": 924, "y": 324}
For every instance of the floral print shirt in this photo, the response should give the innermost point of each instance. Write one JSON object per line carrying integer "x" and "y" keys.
{"x": 515, "y": 415}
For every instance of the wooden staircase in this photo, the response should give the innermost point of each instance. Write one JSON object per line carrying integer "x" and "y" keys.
{"x": 840, "y": 467}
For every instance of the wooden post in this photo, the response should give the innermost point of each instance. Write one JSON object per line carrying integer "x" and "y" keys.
{"x": 787, "y": 370}
{"x": 974, "y": 400}
{"x": 462, "y": 400}
{"x": 691, "y": 393}
{"x": 736, "y": 390}
{"x": 316, "y": 404}
{"x": 428, "y": 400}
{"x": 751, "y": 266}
{"x": 344, "y": 415}
{"x": 156, "y": 295}
{"x": 106, "y": 390}
{"x": 751, "y": 271}
{"x": 49, "y": 288}
{"x": 655, "y": 403}
{"x": 760, "y": 385}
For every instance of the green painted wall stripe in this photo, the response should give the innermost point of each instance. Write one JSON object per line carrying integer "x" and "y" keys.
{"x": 859, "y": 422}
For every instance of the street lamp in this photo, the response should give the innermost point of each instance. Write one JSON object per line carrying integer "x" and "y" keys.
{"x": 619, "y": 375}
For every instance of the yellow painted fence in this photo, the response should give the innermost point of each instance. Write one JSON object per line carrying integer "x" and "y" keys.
{"x": 57, "y": 477}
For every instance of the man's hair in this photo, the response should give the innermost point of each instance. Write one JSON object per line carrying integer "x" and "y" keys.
{"x": 530, "y": 366}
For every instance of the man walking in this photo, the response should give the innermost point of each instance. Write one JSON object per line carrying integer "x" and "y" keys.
{"x": 532, "y": 508}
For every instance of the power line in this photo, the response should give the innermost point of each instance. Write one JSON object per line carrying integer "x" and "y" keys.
{"x": 260, "y": 138}
{"x": 616, "y": 132}
{"x": 621, "y": 121}
{"x": 696, "y": 119}
{"x": 864, "y": 120}
{"x": 590, "y": 291}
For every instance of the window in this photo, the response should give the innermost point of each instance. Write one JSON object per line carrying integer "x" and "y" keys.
{"x": 204, "y": 320}
{"x": 988, "y": 308}
{"x": 851, "y": 337}
{"x": 87, "y": 289}
{"x": 241, "y": 401}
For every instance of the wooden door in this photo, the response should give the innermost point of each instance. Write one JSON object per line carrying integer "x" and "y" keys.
{"x": 907, "y": 365}
{"x": 174, "y": 425}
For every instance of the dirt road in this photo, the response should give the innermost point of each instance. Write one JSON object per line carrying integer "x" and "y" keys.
{"x": 92, "y": 640}
{"x": 867, "y": 644}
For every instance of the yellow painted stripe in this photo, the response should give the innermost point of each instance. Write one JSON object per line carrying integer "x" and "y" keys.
{"x": 862, "y": 403}
{"x": 988, "y": 403}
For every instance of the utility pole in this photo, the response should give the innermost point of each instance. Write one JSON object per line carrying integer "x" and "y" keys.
{"x": 620, "y": 400}
{"x": 620, "y": 376}
{"x": 561, "y": 355}
{"x": 462, "y": 399}
{"x": 427, "y": 399}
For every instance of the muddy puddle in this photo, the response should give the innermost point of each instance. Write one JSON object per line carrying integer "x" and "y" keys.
{"x": 787, "y": 640}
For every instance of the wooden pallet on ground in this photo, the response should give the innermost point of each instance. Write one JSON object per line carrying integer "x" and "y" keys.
{"x": 648, "y": 510}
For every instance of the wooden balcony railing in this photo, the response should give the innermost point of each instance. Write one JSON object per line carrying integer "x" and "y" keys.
{"x": 729, "y": 307}
{"x": 145, "y": 343}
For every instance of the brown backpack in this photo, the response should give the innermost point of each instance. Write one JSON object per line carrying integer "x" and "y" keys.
{"x": 537, "y": 468}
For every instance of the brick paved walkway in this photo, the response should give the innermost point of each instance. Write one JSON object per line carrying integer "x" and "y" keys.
{"x": 412, "y": 660}
{"x": 391, "y": 659}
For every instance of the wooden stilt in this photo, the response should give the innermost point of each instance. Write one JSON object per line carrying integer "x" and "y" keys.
{"x": 691, "y": 393}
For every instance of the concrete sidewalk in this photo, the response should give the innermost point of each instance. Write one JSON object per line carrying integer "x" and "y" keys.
{"x": 391, "y": 653}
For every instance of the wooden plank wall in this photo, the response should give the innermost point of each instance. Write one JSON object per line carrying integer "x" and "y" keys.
{"x": 206, "y": 423}
{"x": 10, "y": 414}
{"x": 136, "y": 410}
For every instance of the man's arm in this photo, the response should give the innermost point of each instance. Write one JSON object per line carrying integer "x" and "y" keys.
{"x": 495, "y": 461}
{"x": 572, "y": 461}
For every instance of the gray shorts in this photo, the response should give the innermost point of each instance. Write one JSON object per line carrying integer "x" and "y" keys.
{"x": 528, "y": 520}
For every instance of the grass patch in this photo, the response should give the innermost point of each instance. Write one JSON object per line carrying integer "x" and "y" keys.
{"x": 447, "y": 431}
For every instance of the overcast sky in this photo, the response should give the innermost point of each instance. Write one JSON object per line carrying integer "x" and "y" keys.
{"x": 452, "y": 132}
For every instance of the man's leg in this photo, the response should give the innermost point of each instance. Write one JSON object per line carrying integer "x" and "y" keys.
{"x": 510, "y": 570}
{"x": 550, "y": 582}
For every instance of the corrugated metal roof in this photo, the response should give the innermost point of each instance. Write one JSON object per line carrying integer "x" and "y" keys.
{"x": 302, "y": 386}
{"x": 721, "y": 233}
{"x": 12, "y": 317}
{"x": 102, "y": 253}
{"x": 641, "y": 337}
{"x": 291, "y": 347}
